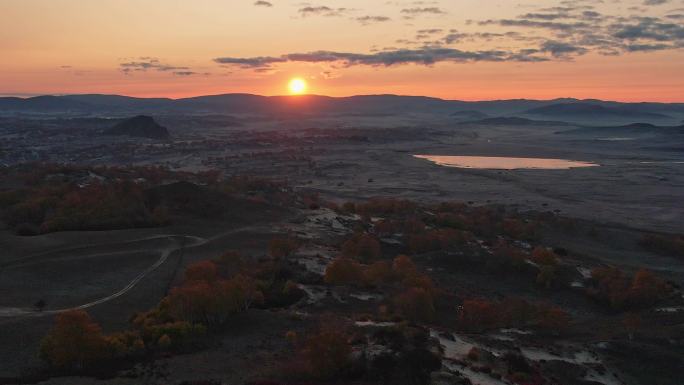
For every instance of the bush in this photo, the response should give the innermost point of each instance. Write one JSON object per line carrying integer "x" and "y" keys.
{"x": 212, "y": 303}
{"x": 362, "y": 246}
{"x": 543, "y": 256}
{"x": 415, "y": 304}
{"x": 554, "y": 320}
{"x": 327, "y": 352}
{"x": 379, "y": 273}
{"x": 613, "y": 287}
{"x": 204, "y": 271}
{"x": 436, "y": 240}
{"x": 344, "y": 271}
{"x": 478, "y": 315}
{"x": 75, "y": 343}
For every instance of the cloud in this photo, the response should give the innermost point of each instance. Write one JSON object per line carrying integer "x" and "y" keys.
{"x": 253, "y": 62}
{"x": 322, "y": 11}
{"x": 563, "y": 32}
{"x": 262, "y": 3}
{"x": 411, "y": 13}
{"x": 143, "y": 64}
{"x": 574, "y": 30}
{"x": 185, "y": 73}
{"x": 562, "y": 50}
{"x": 387, "y": 58}
{"x": 366, "y": 20}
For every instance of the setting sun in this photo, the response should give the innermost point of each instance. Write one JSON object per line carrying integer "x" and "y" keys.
{"x": 297, "y": 86}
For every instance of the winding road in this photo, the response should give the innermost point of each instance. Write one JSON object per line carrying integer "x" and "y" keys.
{"x": 8, "y": 312}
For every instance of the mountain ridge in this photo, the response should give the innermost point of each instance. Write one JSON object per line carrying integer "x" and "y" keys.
{"x": 242, "y": 103}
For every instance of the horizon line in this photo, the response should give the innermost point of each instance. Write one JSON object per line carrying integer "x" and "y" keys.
{"x": 26, "y": 96}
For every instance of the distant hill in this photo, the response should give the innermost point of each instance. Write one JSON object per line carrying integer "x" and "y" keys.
{"x": 515, "y": 121}
{"x": 632, "y": 130}
{"x": 368, "y": 105}
{"x": 595, "y": 111}
{"x": 469, "y": 115}
{"x": 43, "y": 104}
{"x": 140, "y": 127}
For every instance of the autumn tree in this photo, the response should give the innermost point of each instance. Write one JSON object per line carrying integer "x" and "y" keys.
{"x": 362, "y": 246}
{"x": 205, "y": 271}
{"x": 344, "y": 271}
{"x": 544, "y": 256}
{"x": 416, "y": 304}
{"x": 404, "y": 267}
{"x": 379, "y": 273}
{"x": 74, "y": 343}
{"x": 554, "y": 319}
{"x": 328, "y": 352}
{"x": 647, "y": 288}
{"x": 478, "y": 314}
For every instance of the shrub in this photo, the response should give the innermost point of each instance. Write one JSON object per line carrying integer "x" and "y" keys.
{"x": 379, "y": 273}
{"x": 440, "y": 239}
{"x": 75, "y": 343}
{"x": 478, "y": 315}
{"x": 327, "y": 352}
{"x": 204, "y": 271}
{"x": 554, "y": 320}
{"x": 415, "y": 304}
{"x": 543, "y": 256}
{"x": 344, "y": 271}
{"x": 212, "y": 303}
{"x": 612, "y": 286}
{"x": 517, "y": 229}
{"x": 362, "y": 246}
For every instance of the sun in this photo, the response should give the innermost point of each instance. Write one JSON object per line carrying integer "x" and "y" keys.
{"x": 297, "y": 86}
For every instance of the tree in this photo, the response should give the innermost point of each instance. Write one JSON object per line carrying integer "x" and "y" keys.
{"x": 205, "y": 271}
{"x": 74, "y": 343}
{"x": 328, "y": 352}
{"x": 554, "y": 319}
{"x": 344, "y": 271}
{"x": 544, "y": 256}
{"x": 404, "y": 267}
{"x": 478, "y": 315}
{"x": 416, "y": 304}
{"x": 647, "y": 288}
{"x": 362, "y": 246}
{"x": 379, "y": 273}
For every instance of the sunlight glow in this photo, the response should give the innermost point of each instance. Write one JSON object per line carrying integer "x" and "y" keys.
{"x": 297, "y": 86}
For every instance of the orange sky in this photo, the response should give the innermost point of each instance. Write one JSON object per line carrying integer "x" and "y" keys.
{"x": 454, "y": 49}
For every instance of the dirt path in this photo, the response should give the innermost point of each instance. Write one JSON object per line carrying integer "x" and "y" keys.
{"x": 165, "y": 254}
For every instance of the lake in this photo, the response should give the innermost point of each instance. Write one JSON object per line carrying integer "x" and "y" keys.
{"x": 504, "y": 163}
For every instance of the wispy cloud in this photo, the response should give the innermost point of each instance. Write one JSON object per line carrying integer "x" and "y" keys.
{"x": 144, "y": 64}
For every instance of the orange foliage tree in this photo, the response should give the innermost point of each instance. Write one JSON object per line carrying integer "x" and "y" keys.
{"x": 362, "y": 246}
{"x": 327, "y": 352}
{"x": 416, "y": 304}
{"x": 344, "y": 271}
{"x": 75, "y": 342}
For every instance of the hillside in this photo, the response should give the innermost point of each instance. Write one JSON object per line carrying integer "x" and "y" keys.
{"x": 140, "y": 127}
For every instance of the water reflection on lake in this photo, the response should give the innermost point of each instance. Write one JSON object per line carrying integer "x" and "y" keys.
{"x": 504, "y": 163}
